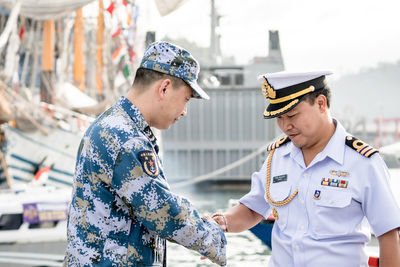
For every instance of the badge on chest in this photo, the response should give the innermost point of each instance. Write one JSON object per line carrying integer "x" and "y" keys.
{"x": 317, "y": 194}
{"x": 279, "y": 178}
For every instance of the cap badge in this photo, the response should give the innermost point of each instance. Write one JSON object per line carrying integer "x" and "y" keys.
{"x": 267, "y": 90}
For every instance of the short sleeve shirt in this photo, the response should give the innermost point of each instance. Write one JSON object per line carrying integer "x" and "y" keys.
{"x": 340, "y": 194}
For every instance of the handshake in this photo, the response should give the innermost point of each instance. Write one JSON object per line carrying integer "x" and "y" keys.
{"x": 220, "y": 219}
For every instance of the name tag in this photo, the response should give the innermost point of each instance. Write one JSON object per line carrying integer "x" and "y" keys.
{"x": 279, "y": 178}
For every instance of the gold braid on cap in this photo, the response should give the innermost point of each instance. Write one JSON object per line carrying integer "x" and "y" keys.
{"x": 274, "y": 112}
{"x": 293, "y": 96}
{"x": 269, "y": 93}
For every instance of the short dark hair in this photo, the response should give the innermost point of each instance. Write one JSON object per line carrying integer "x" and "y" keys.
{"x": 326, "y": 91}
{"x": 145, "y": 77}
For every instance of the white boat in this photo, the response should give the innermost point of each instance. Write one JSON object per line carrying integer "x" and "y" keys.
{"x": 31, "y": 154}
{"x": 33, "y": 218}
{"x": 32, "y": 214}
{"x": 40, "y": 139}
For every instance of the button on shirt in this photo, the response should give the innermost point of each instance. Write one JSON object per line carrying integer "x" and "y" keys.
{"x": 325, "y": 225}
{"x": 122, "y": 210}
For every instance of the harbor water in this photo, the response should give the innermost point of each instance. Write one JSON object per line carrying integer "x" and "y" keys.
{"x": 243, "y": 249}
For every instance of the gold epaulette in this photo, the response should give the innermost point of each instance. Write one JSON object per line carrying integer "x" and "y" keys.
{"x": 361, "y": 147}
{"x": 278, "y": 143}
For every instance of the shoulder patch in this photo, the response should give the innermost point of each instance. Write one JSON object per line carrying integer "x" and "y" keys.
{"x": 278, "y": 143}
{"x": 149, "y": 163}
{"x": 361, "y": 147}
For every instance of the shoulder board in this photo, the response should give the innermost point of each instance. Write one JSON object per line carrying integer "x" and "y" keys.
{"x": 278, "y": 143}
{"x": 361, "y": 147}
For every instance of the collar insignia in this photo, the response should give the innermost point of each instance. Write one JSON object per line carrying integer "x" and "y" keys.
{"x": 150, "y": 134}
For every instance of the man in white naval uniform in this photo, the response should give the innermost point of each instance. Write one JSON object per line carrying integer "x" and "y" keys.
{"x": 323, "y": 186}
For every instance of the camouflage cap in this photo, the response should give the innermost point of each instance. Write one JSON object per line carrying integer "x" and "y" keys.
{"x": 173, "y": 60}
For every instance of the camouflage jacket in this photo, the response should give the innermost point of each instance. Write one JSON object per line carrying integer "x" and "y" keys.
{"x": 122, "y": 209}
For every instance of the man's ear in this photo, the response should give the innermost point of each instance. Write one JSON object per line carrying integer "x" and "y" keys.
{"x": 321, "y": 101}
{"x": 163, "y": 87}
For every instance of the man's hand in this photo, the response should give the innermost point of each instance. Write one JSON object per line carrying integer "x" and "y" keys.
{"x": 213, "y": 219}
{"x": 236, "y": 219}
{"x": 221, "y": 220}
{"x": 218, "y": 218}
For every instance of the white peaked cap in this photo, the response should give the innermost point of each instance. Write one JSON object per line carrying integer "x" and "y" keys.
{"x": 285, "y": 90}
{"x": 279, "y": 80}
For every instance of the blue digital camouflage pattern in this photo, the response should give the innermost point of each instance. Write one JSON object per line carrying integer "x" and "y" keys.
{"x": 173, "y": 60}
{"x": 122, "y": 209}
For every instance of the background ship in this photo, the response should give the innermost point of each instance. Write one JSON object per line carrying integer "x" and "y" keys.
{"x": 227, "y": 132}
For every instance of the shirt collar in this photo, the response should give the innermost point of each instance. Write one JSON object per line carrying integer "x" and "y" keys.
{"x": 334, "y": 149}
{"x": 289, "y": 148}
{"x": 138, "y": 119}
{"x": 295, "y": 154}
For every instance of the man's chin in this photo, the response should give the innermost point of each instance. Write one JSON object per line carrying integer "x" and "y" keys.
{"x": 296, "y": 142}
{"x": 161, "y": 127}
{"x": 164, "y": 127}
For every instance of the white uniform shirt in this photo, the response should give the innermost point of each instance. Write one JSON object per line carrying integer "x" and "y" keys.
{"x": 331, "y": 230}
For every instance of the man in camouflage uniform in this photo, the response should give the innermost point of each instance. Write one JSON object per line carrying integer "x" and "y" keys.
{"x": 122, "y": 210}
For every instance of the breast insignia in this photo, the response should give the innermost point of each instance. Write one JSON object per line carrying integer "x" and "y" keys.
{"x": 361, "y": 147}
{"x": 278, "y": 143}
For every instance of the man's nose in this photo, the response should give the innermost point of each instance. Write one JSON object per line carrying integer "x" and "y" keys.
{"x": 184, "y": 111}
{"x": 287, "y": 125}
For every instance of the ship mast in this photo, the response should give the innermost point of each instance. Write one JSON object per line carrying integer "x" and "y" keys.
{"x": 46, "y": 86}
{"x": 79, "y": 70}
{"x": 215, "y": 48}
{"x": 99, "y": 53}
